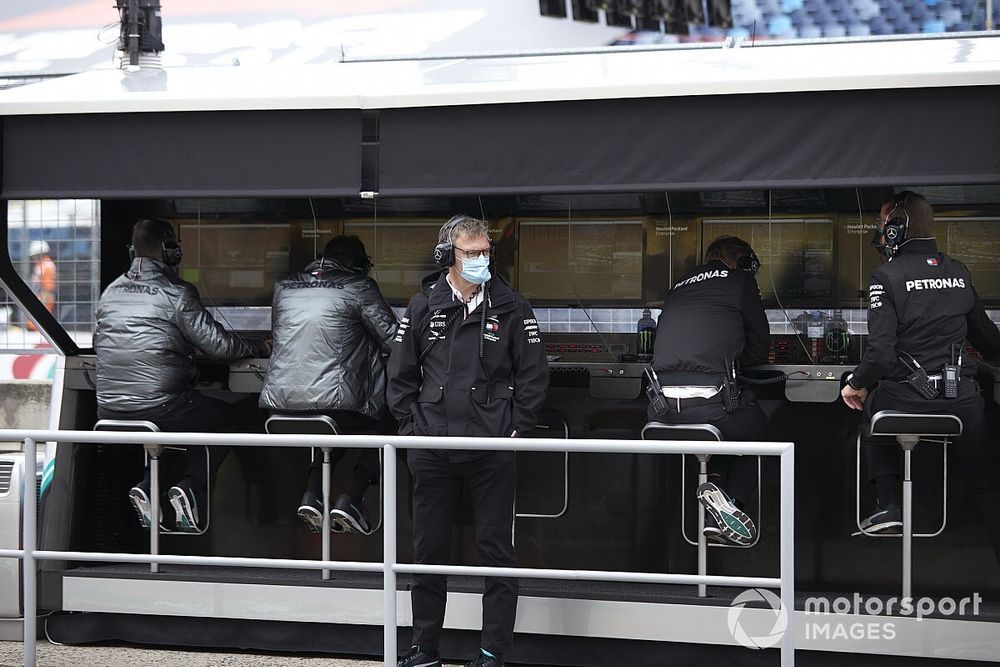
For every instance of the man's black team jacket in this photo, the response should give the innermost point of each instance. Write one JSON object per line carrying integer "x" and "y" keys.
{"x": 921, "y": 303}
{"x": 713, "y": 313}
{"x": 451, "y": 392}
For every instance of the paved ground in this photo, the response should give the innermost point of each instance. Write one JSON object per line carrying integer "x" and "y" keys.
{"x": 51, "y": 655}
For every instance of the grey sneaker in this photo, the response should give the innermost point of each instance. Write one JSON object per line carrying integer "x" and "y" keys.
{"x": 735, "y": 526}
{"x": 138, "y": 495}
{"x": 185, "y": 501}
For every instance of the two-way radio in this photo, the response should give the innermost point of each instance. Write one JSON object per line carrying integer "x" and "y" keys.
{"x": 952, "y": 373}
{"x": 654, "y": 392}
{"x": 918, "y": 378}
{"x": 730, "y": 389}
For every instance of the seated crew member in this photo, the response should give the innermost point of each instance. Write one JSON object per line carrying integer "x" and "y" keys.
{"x": 922, "y": 308}
{"x": 330, "y": 325}
{"x": 713, "y": 317}
{"x": 150, "y": 323}
{"x": 467, "y": 360}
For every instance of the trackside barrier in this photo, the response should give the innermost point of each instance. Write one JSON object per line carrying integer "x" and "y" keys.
{"x": 29, "y": 554}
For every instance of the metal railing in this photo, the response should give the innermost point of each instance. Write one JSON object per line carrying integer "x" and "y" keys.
{"x": 29, "y": 554}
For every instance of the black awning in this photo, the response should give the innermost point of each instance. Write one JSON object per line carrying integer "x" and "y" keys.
{"x": 183, "y": 154}
{"x": 938, "y": 136}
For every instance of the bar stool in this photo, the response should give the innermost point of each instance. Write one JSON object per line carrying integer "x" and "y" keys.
{"x": 547, "y": 423}
{"x": 295, "y": 424}
{"x": 153, "y": 452}
{"x": 909, "y": 429}
{"x": 706, "y": 433}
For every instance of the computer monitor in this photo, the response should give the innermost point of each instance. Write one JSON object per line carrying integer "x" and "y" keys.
{"x": 796, "y": 254}
{"x": 586, "y": 260}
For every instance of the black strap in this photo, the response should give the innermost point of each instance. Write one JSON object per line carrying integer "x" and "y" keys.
{"x": 447, "y": 326}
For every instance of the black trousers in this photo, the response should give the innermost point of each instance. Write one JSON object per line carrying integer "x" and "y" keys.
{"x": 438, "y": 483}
{"x": 970, "y": 450}
{"x": 737, "y": 475}
{"x": 192, "y": 411}
{"x": 366, "y": 470}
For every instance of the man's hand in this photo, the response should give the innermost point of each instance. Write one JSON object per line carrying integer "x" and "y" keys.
{"x": 854, "y": 398}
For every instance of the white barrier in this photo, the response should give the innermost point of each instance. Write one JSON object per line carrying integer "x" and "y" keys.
{"x": 389, "y": 567}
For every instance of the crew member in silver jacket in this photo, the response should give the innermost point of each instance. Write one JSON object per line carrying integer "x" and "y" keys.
{"x": 150, "y": 323}
{"x": 331, "y": 326}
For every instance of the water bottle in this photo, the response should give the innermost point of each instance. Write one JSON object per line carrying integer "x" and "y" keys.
{"x": 646, "y": 328}
{"x": 815, "y": 332}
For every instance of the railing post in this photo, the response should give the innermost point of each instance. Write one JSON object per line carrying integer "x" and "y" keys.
{"x": 29, "y": 521}
{"x": 787, "y": 553}
{"x": 154, "y": 504}
{"x": 327, "y": 468}
{"x": 389, "y": 554}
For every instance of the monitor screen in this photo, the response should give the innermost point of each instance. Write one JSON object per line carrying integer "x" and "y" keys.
{"x": 796, "y": 254}
{"x": 976, "y": 242}
{"x": 232, "y": 262}
{"x": 584, "y": 260}
{"x": 401, "y": 251}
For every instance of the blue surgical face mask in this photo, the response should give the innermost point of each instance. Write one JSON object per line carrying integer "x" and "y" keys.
{"x": 476, "y": 271}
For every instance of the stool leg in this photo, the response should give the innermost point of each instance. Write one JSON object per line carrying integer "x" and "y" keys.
{"x": 326, "y": 509}
{"x": 907, "y": 523}
{"x": 154, "y": 509}
{"x": 702, "y": 541}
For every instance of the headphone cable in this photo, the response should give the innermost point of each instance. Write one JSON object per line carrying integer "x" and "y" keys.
{"x": 572, "y": 283}
{"x": 770, "y": 273}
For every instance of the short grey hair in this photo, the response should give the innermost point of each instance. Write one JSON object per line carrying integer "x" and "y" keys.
{"x": 462, "y": 224}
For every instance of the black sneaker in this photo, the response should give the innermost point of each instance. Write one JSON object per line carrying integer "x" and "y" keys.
{"x": 417, "y": 658}
{"x": 734, "y": 524}
{"x": 186, "y": 500}
{"x": 486, "y": 660}
{"x": 883, "y": 521}
{"x": 311, "y": 511}
{"x": 351, "y": 517}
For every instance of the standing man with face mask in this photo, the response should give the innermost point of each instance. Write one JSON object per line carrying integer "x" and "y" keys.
{"x": 922, "y": 308}
{"x": 468, "y": 360}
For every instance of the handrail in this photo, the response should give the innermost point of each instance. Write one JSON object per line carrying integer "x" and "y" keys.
{"x": 389, "y": 567}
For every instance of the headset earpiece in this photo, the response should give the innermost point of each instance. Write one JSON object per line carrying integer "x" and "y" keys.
{"x": 131, "y": 253}
{"x": 444, "y": 251}
{"x": 362, "y": 264}
{"x": 172, "y": 253}
{"x": 444, "y": 255}
{"x": 749, "y": 262}
{"x": 897, "y": 222}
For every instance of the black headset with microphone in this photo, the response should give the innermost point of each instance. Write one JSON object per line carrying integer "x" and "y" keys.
{"x": 749, "y": 262}
{"x": 170, "y": 248}
{"x": 895, "y": 228}
{"x": 444, "y": 251}
{"x": 746, "y": 262}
